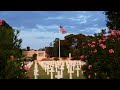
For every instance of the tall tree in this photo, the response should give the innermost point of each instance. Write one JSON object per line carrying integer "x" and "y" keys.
{"x": 113, "y": 19}
{"x": 28, "y": 48}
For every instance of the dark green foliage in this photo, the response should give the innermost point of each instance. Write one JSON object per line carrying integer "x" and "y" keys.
{"x": 10, "y": 45}
{"x": 28, "y": 48}
{"x": 34, "y": 57}
{"x": 105, "y": 65}
{"x": 56, "y": 58}
{"x": 76, "y": 54}
{"x": 113, "y": 19}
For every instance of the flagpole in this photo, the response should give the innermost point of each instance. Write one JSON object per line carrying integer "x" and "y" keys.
{"x": 59, "y": 44}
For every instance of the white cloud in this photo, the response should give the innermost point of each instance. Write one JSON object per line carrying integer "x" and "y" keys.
{"x": 81, "y": 18}
{"x": 95, "y": 25}
{"x": 39, "y": 39}
{"x": 46, "y": 27}
{"x": 70, "y": 27}
{"x": 57, "y": 18}
{"x": 91, "y": 31}
{"x": 38, "y": 27}
{"x": 95, "y": 19}
{"x": 81, "y": 11}
{"x": 18, "y": 28}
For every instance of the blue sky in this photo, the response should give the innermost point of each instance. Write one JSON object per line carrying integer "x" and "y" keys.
{"x": 39, "y": 28}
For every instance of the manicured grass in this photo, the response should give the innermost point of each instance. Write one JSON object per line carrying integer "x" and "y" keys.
{"x": 42, "y": 73}
{"x": 31, "y": 71}
{"x": 74, "y": 75}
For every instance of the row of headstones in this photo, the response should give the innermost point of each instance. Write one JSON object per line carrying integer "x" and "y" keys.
{"x": 36, "y": 71}
{"x": 58, "y": 66}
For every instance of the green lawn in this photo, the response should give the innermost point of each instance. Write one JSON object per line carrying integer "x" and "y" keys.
{"x": 31, "y": 71}
{"x": 43, "y": 74}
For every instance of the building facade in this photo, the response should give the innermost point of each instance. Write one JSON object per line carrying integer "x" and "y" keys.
{"x": 40, "y": 54}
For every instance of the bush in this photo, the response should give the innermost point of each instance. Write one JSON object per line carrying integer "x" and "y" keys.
{"x": 45, "y": 59}
{"x": 76, "y": 54}
{"x": 56, "y": 58}
{"x": 103, "y": 56}
{"x": 34, "y": 57}
{"x": 64, "y": 58}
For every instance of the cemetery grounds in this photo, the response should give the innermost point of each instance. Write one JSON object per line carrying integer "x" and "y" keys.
{"x": 53, "y": 69}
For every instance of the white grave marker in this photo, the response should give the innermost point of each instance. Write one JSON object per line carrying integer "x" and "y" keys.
{"x": 52, "y": 70}
{"x": 77, "y": 70}
{"x": 58, "y": 76}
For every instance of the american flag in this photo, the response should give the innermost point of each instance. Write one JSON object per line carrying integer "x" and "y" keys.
{"x": 62, "y": 30}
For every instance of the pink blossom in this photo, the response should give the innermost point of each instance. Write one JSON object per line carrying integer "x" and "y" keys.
{"x": 93, "y": 42}
{"x": 100, "y": 41}
{"x": 12, "y": 57}
{"x": 89, "y": 44}
{"x": 95, "y": 51}
{"x": 89, "y": 76}
{"x": 28, "y": 76}
{"x": 81, "y": 57}
{"x": 92, "y": 45}
{"x": 89, "y": 66}
{"x": 95, "y": 73}
{"x": 110, "y": 30}
{"x": 106, "y": 38}
{"x": 1, "y": 21}
{"x": 111, "y": 51}
{"x": 83, "y": 72}
{"x": 26, "y": 67}
{"x": 113, "y": 39}
{"x": 103, "y": 46}
{"x": 103, "y": 40}
{"x": 118, "y": 32}
{"x": 113, "y": 32}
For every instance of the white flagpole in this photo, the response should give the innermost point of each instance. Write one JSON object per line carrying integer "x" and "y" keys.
{"x": 59, "y": 44}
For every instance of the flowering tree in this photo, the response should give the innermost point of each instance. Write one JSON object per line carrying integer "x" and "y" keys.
{"x": 102, "y": 56}
{"x": 11, "y": 64}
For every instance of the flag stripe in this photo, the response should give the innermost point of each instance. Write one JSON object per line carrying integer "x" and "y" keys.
{"x": 62, "y": 30}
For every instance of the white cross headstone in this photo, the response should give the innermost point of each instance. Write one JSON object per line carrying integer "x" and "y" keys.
{"x": 47, "y": 69}
{"x": 52, "y": 70}
{"x": 77, "y": 70}
{"x": 56, "y": 67}
{"x": 61, "y": 69}
{"x": 36, "y": 70}
{"x": 58, "y": 76}
{"x": 70, "y": 72}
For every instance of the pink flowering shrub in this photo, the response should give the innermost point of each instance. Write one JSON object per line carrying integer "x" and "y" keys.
{"x": 26, "y": 67}
{"x": 1, "y": 22}
{"x": 28, "y": 76}
{"x": 102, "y": 56}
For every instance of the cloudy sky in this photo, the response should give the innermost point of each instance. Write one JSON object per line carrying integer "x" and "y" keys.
{"x": 39, "y": 28}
